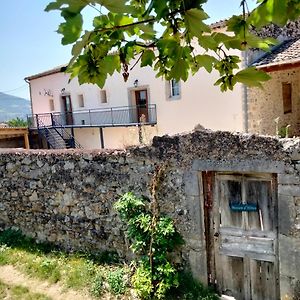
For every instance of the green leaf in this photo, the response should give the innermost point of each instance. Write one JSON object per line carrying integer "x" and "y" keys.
{"x": 268, "y": 11}
{"x": 160, "y": 7}
{"x": 147, "y": 58}
{"x": 193, "y": 19}
{"x": 179, "y": 70}
{"x": 252, "y": 77}
{"x": 237, "y": 24}
{"x": 254, "y": 41}
{"x": 115, "y": 6}
{"x": 71, "y": 29}
{"x": 73, "y": 6}
{"x": 110, "y": 64}
{"x": 79, "y": 46}
{"x": 207, "y": 42}
{"x": 206, "y": 61}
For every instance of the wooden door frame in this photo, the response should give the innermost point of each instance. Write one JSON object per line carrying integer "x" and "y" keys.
{"x": 146, "y": 105}
{"x": 211, "y": 230}
{"x": 68, "y": 114}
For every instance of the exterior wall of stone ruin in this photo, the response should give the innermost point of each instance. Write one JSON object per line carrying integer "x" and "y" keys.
{"x": 66, "y": 197}
{"x": 266, "y": 104}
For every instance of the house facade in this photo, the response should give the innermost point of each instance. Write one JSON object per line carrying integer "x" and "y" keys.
{"x": 111, "y": 117}
{"x": 128, "y": 113}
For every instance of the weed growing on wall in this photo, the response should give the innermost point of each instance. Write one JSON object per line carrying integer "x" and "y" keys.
{"x": 153, "y": 236}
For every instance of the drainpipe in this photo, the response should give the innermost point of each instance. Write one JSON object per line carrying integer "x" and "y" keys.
{"x": 30, "y": 93}
{"x": 245, "y": 95}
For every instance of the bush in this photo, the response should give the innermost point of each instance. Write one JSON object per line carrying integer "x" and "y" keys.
{"x": 116, "y": 282}
{"x": 97, "y": 285}
{"x": 152, "y": 237}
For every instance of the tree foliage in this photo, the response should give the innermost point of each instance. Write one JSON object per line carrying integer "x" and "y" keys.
{"x": 170, "y": 36}
{"x": 17, "y": 122}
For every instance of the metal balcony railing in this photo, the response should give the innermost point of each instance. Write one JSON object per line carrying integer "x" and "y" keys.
{"x": 105, "y": 117}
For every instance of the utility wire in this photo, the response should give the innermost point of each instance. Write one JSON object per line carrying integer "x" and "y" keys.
{"x": 18, "y": 88}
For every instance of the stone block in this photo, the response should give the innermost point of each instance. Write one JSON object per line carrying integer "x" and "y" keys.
{"x": 253, "y": 166}
{"x": 198, "y": 265}
{"x": 289, "y": 190}
{"x": 288, "y": 179}
{"x": 196, "y": 215}
{"x": 289, "y": 256}
{"x": 191, "y": 183}
{"x": 286, "y": 213}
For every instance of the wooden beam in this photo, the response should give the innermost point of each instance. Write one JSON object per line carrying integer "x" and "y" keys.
{"x": 279, "y": 67}
{"x": 26, "y": 141}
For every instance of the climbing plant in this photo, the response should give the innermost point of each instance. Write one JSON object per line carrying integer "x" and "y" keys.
{"x": 170, "y": 36}
{"x": 153, "y": 236}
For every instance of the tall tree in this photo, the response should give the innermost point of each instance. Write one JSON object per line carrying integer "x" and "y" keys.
{"x": 165, "y": 35}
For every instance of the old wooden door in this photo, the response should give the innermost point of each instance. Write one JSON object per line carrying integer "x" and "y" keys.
{"x": 67, "y": 108}
{"x": 244, "y": 233}
{"x": 141, "y": 98}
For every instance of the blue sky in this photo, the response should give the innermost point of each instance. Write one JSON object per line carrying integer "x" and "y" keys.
{"x": 29, "y": 43}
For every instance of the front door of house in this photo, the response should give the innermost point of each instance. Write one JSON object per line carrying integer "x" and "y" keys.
{"x": 141, "y": 98}
{"x": 67, "y": 107}
{"x": 244, "y": 236}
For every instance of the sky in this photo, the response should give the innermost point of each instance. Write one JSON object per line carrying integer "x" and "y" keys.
{"x": 30, "y": 43}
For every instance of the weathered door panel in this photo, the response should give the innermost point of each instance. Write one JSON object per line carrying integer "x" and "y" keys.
{"x": 244, "y": 235}
{"x": 263, "y": 280}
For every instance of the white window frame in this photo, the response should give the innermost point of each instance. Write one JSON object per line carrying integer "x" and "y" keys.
{"x": 103, "y": 96}
{"x": 174, "y": 89}
{"x": 81, "y": 103}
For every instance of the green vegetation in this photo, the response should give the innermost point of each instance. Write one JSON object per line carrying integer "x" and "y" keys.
{"x": 18, "y": 292}
{"x": 77, "y": 271}
{"x": 17, "y": 122}
{"x": 93, "y": 274}
{"x": 153, "y": 237}
{"x": 127, "y": 30}
{"x": 190, "y": 289}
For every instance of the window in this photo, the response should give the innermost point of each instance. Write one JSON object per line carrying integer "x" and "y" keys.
{"x": 174, "y": 89}
{"x": 51, "y": 104}
{"x": 80, "y": 101}
{"x": 287, "y": 97}
{"x": 246, "y": 202}
{"x": 103, "y": 96}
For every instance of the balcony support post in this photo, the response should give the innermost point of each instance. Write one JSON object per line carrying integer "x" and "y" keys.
{"x": 101, "y": 137}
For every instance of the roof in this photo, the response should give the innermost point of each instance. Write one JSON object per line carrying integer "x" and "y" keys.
{"x": 219, "y": 24}
{"x": 287, "y": 52}
{"x": 55, "y": 70}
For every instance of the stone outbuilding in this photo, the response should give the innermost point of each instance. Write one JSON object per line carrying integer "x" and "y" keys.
{"x": 275, "y": 109}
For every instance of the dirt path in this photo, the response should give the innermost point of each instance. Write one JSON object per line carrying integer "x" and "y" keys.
{"x": 11, "y": 276}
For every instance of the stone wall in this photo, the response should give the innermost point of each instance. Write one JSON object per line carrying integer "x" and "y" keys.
{"x": 265, "y": 105}
{"x": 67, "y": 197}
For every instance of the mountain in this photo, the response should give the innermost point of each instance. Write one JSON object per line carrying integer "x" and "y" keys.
{"x": 12, "y": 107}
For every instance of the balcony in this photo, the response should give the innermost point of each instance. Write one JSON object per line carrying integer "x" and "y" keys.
{"x": 122, "y": 116}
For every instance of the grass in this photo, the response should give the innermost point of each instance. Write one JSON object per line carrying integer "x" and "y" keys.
{"x": 78, "y": 271}
{"x": 94, "y": 274}
{"x": 19, "y": 292}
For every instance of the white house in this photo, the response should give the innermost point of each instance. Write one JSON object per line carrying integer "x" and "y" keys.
{"x": 110, "y": 118}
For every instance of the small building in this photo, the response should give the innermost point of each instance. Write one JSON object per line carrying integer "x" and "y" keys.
{"x": 275, "y": 109}
{"x": 128, "y": 113}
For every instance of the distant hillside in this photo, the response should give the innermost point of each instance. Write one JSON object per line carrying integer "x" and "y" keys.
{"x": 12, "y": 107}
